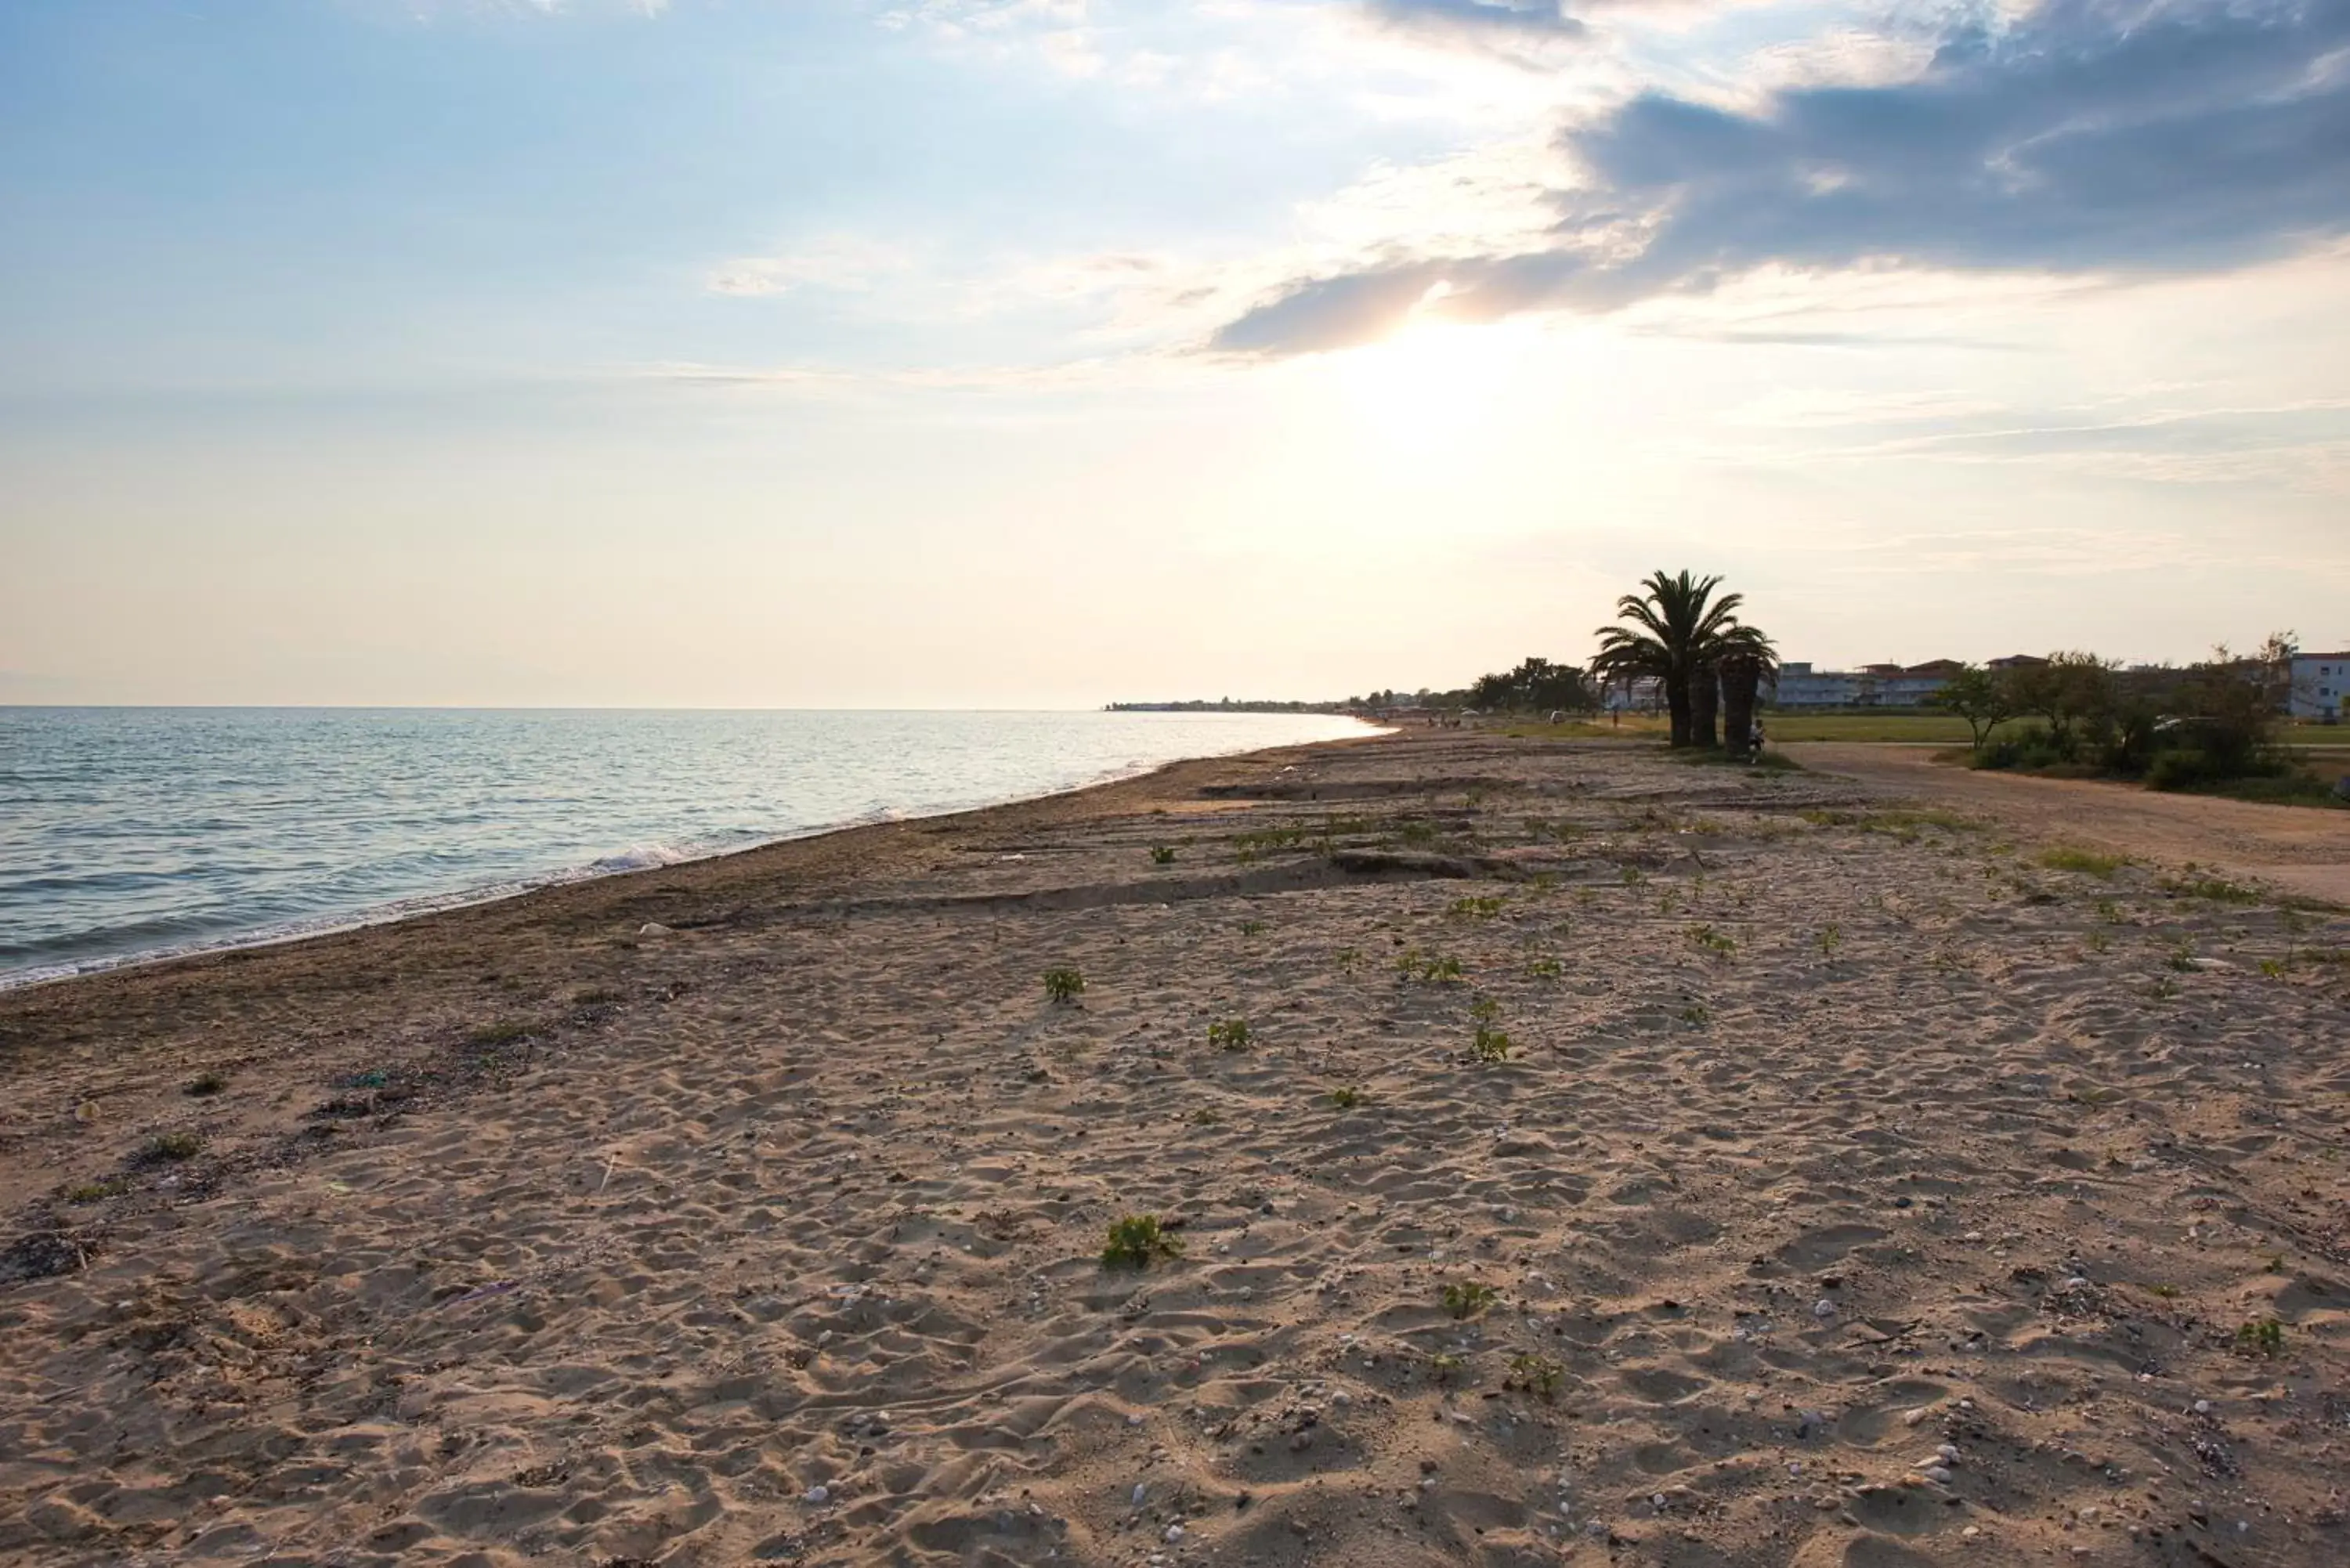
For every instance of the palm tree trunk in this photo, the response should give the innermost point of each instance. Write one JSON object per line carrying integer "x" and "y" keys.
{"x": 1741, "y": 677}
{"x": 1676, "y": 702}
{"x": 1705, "y": 702}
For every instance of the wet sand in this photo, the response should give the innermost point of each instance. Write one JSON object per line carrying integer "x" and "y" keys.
{"x": 1846, "y": 1185}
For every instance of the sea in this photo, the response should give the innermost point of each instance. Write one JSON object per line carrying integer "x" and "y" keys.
{"x": 129, "y": 834}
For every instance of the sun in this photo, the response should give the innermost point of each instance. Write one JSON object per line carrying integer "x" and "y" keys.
{"x": 1433, "y": 384}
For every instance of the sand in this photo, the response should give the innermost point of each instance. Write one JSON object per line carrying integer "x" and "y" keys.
{"x": 1855, "y": 1189}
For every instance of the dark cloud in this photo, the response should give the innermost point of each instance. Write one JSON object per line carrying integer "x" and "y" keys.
{"x": 1503, "y": 22}
{"x": 2089, "y": 137}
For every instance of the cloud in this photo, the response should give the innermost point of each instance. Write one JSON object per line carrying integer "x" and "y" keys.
{"x": 2088, "y": 136}
{"x": 1481, "y": 22}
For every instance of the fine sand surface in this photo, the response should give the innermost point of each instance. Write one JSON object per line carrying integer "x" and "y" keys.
{"x": 2302, "y": 849}
{"x": 1857, "y": 1190}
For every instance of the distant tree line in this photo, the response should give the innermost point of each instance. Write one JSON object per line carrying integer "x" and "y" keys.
{"x": 2177, "y": 727}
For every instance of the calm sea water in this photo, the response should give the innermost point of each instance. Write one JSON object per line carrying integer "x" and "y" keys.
{"x": 128, "y": 832}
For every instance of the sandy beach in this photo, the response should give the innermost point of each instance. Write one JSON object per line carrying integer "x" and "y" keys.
{"x": 1622, "y": 1161}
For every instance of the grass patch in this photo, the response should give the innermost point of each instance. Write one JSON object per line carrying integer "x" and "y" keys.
{"x": 1063, "y": 985}
{"x": 1162, "y": 855}
{"x": 504, "y": 1032}
{"x": 95, "y": 1191}
{"x": 1916, "y": 729}
{"x": 211, "y": 1081}
{"x": 1135, "y": 1240}
{"x": 1466, "y": 1298}
{"x": 1490, "y": 1044}
{"x": 2088, "y": 862}
{"x": 1230, "y": 1035}
{"x": 1347, "y": 1099}
{"x": 167, "y": 1148}
{"x": 1537, "y": 1375}
{"x": 2213, "y": 890}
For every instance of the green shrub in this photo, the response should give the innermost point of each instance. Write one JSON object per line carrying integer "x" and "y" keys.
{"x": 1347, "y": 1099}
{"x": 1538, "y": 1374}
{"x": 1064, "y": 984}
{"x": 1490, "y": 1044}
{"x": 1467, "y": 1298}
{"x": 1136, "y": 1239}
{"x": 504, "y": 1032}
{"x": 2262, "y": 1336}
{"x": 1162, "y": 855}
{"x": 167, "y": 1146}
{"x": 211, "y": 1081}
{"x": 1228, "y": 1034}
{"x": 2088, "y": 862}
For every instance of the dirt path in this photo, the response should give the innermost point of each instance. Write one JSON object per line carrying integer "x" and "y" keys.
{"x": 2299, "y": 849}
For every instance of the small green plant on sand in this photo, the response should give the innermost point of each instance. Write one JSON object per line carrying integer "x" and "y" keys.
{"x": 2088, "y": 862}
{"x": 173, "y": 1147}
{"x": 1162, "y": 855}
{"x": 1546, "y": 969}
{"x": 1136, "y": 1239}
{"x": 1467, "y": 1298}
{"x": 2111, "y": 912}
{"x": 1490, "y": 1044}
{"x": 93, "y": 1191}
{"x": 504, "y": 1032}
{"x": 1831, "y": 938}
{"x": 1696, "y": 1014}
{"x": 1444, "y": 1366}
{"x": 1228, "y": 1034}
{"x": 1475, "y": 908}
{"x": 2273, "y": 968}
{"x": 1206, "y": 1117}
{"x": 1252, "y": 928}
{"x": 1428, "y": 968}
{"x": 2261, "y": 1336}
{"x": 1064, "y": 984}
{"x": 1537, "y": 1375}
{"x": 1485, "y": 1009}
{"x": 2182, "y": 956}
{"x": 1347, "y": 1098}
{"x": 211, "y": 1081}
{"x": 1713, "y": 942}
{"x": 2100, "y": 942}
{"x": 1349, "y": 957}
{"x": 1633, "y": 877}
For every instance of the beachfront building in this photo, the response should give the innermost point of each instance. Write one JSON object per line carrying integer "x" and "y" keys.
{"x": 1871, "y": 686}
{"x": 2321, "y": 686}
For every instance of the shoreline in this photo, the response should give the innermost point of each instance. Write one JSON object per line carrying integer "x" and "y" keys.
{"x": 397, "y": 912}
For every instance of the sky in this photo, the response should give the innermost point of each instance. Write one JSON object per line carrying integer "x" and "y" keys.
{"x": 1020, "y": 353}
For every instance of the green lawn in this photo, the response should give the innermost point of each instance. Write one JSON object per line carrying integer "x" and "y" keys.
{"x": 1942, "y": 728}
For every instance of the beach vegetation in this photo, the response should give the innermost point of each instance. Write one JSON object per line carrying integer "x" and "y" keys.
{"x": 1546, "y": 969}
{"x": 170, "y": 1147}
{"x": 1696, "y": 1014}
{"x": 1537, "y": 1375}
{"x": 2087, "y": 862}
{"x": 2210, "y": 889}
{"x": 96, "y": 1192}
{"x": 1490, "y": 1044}
{"x": 1483, "y": 908}
{"x": 2109, "y": 911}
{"x": 1252, "y": 928}
{"x": 1228, "y": 1034}
{"x": 2261, "y": 1336}
{"x": 1347, "y": 1098}
{"x": 1713, "y": 941}
{"x": 1137, "y": 1240}
{"x": 1465, "y": 1298}
{"x": 1207, "y": 1117}
{"x": 1444, "y": 1366}
{"x": 1162, "y": 855}
{"x": 1984, "y": 697}
{"x": 1485, "y": 1009}
{"x": 1428, "y": 968}
{"x": 211, "y": 1081}
{"x": 503, "y": 1031}
{"x": 1064, "y": 984}
{"x": 2181, "y": 956}
{"x": 1830, "y": 939}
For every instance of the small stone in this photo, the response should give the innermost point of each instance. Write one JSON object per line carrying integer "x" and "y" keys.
{"x": 818, "y": 1493}
{"x": 1140, "y": 1492}
{"x": 1824, "y": 1308}
{"x": 1948, "y": 1453}
{"x": 2202, "y": 1407}
{"x": 1970, "y": 1531}
{"x": 1174, "y": 1532}
{"x": 1936, "y": 1474}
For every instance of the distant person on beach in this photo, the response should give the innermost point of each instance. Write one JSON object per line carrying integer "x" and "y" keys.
{"x": 1754, "y": 743}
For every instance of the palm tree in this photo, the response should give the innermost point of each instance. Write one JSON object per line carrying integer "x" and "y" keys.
{"x": 1747, "y": 656}
{"x": 1677, "y": 634}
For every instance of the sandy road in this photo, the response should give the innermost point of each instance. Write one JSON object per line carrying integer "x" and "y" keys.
{"x": 2302, "y": 849}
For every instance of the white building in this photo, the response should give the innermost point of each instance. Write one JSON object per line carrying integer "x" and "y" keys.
{"x": 1876, "y": 686}
{"x": 2321, "y": 686}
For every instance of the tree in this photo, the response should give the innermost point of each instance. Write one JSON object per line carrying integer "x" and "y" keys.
{"x": 1982, "y": 697}
{"x": 1749, "y": 656}
{"x": 2067, "y": 688}
{"x": 1674, "y": 629}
